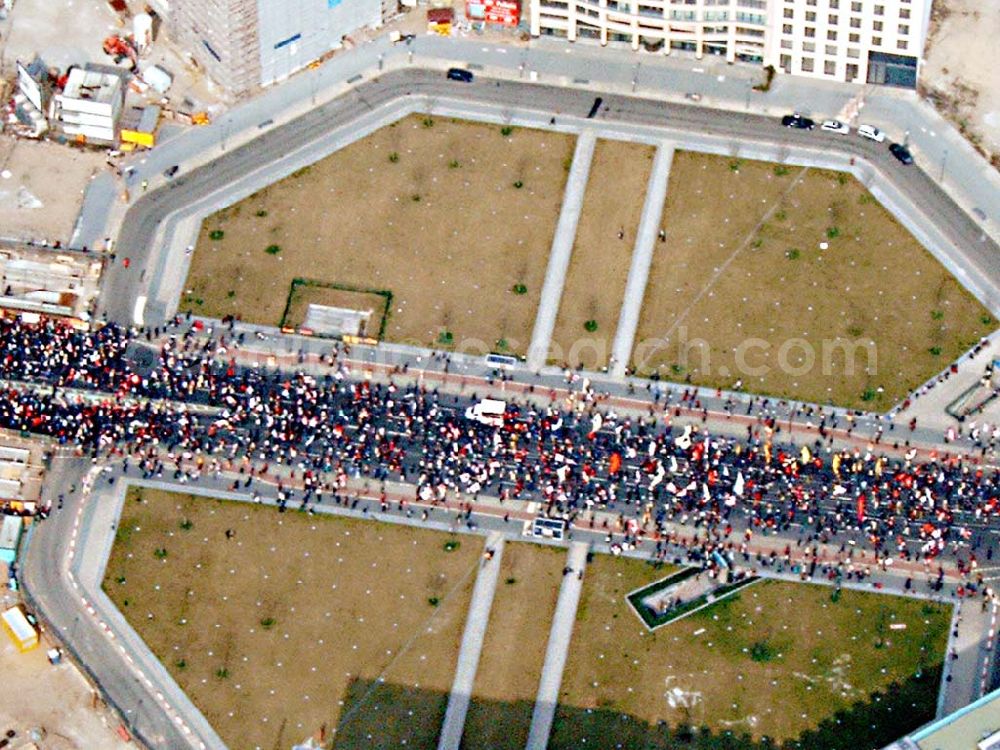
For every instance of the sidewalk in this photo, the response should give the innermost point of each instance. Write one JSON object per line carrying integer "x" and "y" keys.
{"x": 476, "y": 621}
{"x": 558, "y": 648}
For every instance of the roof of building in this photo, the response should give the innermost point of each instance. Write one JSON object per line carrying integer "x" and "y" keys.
{"x": 965, "y": 729}
{"x": 93, "y": 85}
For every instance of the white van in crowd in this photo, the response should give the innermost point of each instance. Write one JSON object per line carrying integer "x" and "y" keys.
{"x": 489, "y": 411}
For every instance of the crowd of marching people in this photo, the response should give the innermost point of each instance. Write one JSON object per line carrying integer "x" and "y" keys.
{"x": 179, "y": 403}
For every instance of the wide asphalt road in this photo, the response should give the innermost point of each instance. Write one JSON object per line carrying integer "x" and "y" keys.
{"x": 972, "y": 250}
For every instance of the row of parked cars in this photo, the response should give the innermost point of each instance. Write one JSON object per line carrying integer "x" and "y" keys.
{"x": 801, "y": 122}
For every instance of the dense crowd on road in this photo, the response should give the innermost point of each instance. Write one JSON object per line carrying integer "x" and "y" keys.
{"x": 179, "y": 404}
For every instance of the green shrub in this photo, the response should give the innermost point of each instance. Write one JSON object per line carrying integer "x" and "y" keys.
{"x": 445, "y": 337}
{"x": 454, "y": 164}
{"x": 832, "y": 233}
{"x": 451, "y": 545}
{"x": 762, "y": 652}
{"x": 186, "y": 524}
{"x": 793, "y": 254}
{"x": 160, "y": 553}
{"x": 433, "y": 601}
{"x": 935, "y": 350}
{"x": 937, "y": 314}
{"x": 180, "y": 664}
{"x": 394, "y": 157}
{"x": 415, "y": 197}
{"x": 780, "y": 170}
{"x": 518, "y": 184}
{"x": 222, "y": 673}
{"x": 590, "y": 326}
{"x": 261, "y": 213}
{"x": 519, "y": 289}
{"x": 506, "y": 130}
{"x": 267, "y": 623}
{"x": 869, "y": 394}
{"x": 272, "y": 249}
{"x": 427, "y": 122}
{"x": 216, "y": 234}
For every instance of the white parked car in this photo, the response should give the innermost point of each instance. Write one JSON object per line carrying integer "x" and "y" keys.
{"x": 836, "y": 126}
{"x": 871, "y": 132}
{"x": 489, "y": 411}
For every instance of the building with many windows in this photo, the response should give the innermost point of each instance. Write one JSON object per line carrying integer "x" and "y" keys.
{"x": 873, "y": 41}
{"x": 245, "y": 44}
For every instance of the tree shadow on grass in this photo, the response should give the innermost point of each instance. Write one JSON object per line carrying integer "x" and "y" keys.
{"x": 382, "y": 715}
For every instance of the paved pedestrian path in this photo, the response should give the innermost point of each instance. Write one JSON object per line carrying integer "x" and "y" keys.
{"x": 562, "y": 248}
{"x": 930, "y": 402}
{"x": 558, "y": 648}
{"x": 642, "y": 259}
{"x": 472, "y": 643}
{"x": 967, "y": 654}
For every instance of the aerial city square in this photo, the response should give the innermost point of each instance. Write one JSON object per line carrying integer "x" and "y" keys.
{"x": 500, "y": 374}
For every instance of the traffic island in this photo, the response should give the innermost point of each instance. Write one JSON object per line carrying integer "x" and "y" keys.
{"x": 777, "y": 662}
{"x": 269, "y": 620}
{"x": 796, "y": 282}
{"x": 455, "y": 218}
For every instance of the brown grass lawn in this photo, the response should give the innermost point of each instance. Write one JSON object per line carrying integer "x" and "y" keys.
{"x": 599, "y": 265}
{"x": 775, "y": 660}
{"x": 270, "y": 631}
{"x": 431, "y": 214}
{"x": 514, "y": 649}
{"x": 742, "y": 263}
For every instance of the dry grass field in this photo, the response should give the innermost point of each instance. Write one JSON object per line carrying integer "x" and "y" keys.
{"x": 514, "y": 648}
{"x": 270, "y": 632}
{"x": 781, "y": 660}
{"x": 449, "y": 216}
{"x": 744, "y": 272}
{"x": 599, "y": 265}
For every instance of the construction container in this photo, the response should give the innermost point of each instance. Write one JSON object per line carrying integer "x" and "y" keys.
{"x": 21, "y": 632}
{"x": 142, "y": 32}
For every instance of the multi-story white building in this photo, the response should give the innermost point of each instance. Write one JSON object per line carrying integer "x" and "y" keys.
{"x": 874, "y": 41}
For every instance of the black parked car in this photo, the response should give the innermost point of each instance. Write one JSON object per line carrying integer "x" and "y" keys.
{"x": 901, "y": 152}
{"x": 798, "y": 121}
{"x": 460, "y": 74}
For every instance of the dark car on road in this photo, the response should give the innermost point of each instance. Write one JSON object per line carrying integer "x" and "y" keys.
{"x": 595, "y": 107}
{"x": 460, "y": 74}
{"x": 901, "y": 152}
{"x": 171, "y": 171}
{"x": 798, "y": 121}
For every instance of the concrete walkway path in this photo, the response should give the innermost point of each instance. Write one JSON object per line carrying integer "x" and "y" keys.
{"x": 558, "y": 648}
{"x": 970, "y": 640}
{"x": 562, "y": 247}
{"x": 642, "y": 259}
{"x": 472, "y": 645}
